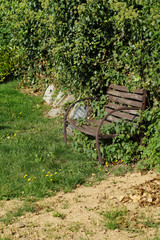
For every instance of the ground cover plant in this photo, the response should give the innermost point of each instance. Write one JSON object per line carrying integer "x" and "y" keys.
{"x": 33, "y": 158}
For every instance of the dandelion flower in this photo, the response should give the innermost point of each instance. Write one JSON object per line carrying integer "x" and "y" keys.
{"x": 51, "y": 180}
{"x": 25, "y": 176}
{"x": 47, "y": 172}
{"x": 55, "y": 173}
{"x": 29, "y": 179}
{"x": 43, "y": 170}
{"x": 47, "y": 175}
{"x": 51, "y": 175}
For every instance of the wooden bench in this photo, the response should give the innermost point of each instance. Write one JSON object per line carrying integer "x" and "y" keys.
{"x": 120, "y": 104}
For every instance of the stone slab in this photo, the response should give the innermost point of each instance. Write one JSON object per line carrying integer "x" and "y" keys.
{"x": 49, "y": 93}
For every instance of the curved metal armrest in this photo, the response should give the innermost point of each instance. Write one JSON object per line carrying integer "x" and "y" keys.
{"x": 118, "y": 109}
{"x": 80, "y": 100}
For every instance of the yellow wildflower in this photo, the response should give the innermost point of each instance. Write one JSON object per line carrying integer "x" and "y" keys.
{"x": 55, "y": 173}
{"x": 29, "y": 179}
{"x": 51, "y": 180}
{"x": 43, "y": 170}
{"x": 25, "y": 176}
{"x": 47, "y": 175}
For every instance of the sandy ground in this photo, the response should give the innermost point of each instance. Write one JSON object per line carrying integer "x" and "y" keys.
{"x": 78, "y": 215}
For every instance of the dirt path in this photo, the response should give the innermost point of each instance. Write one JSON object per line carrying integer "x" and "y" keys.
{"x": 79, "y": 215}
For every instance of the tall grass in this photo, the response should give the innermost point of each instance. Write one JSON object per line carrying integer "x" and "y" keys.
{"x": 34, "y": 161}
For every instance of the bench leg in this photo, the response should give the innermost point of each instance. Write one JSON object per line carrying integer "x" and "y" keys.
{"x": 98, "y": 151}
{"x": 65, "y": 131}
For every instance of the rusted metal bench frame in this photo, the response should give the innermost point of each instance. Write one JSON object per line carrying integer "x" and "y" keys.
{"x": 139, "y": 100}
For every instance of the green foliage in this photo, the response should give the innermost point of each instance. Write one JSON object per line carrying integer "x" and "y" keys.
{"x": 150, "y": 148}
{"x": 7, "y": 62}
{"x": 122, "y": 147}
{"x": 29, "y": 30}
{"x": 84, "y": 44}
{"x": 132, "y": 144}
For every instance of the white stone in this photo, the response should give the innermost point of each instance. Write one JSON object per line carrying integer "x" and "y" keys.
{"x": 58, "y": 99}
{"x": 58, "y": 103}
{"x": 54, "y": 112}
{"x": 49, "y": 93}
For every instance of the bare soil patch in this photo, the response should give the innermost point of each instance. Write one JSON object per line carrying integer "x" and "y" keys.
{"x": 80, "y": 214}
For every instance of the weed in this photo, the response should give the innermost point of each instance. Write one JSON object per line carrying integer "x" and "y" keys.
{"x": 65, "y": 205}
{"x": 75, "y": 227}
{"x": 57, "y": 237}
{"x": 59, "y": 215}
{"x": 121, "y": 170}
{"x": 115, "y": 219}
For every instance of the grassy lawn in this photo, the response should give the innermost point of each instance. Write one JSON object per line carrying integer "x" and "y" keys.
{"x": 34, "y": 160}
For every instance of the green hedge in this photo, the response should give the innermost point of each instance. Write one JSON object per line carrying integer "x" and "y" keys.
{"x": 85, "y": 44}
{"x": 98, "y": 42}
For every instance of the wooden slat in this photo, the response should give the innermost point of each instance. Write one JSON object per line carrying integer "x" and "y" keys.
{"x": 125, "y": 95}
{"x": 121, "y": 114}
{"x": 90, "y": 130}
{"x": 113, "y": 119}
{"x": 125, "y": 101}
{"x": 115, "y": 106}
{"x": 94, "y": 121}
{"x": 124, "y": 89}
{"x": 85, "y": 129}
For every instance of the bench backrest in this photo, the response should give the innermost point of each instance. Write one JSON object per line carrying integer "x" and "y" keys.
{"x": 119, "y": 96}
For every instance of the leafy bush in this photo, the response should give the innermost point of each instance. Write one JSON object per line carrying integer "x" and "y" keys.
{"x": 7, "y": 62}
{"x": 115, "y": 41}
{"x": 150, "y": 148}
{"x": 131, "y": 145}
{"x": 121, "y": 148}
{"x": 85, "y": 44}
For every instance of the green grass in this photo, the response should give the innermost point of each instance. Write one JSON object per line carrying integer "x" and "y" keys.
{"x": 34, "y": 161}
